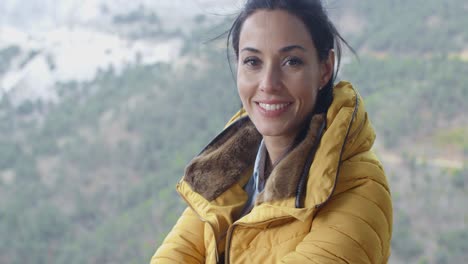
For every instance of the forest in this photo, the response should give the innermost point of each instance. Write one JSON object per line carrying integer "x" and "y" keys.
{"x": 91, "y": 178}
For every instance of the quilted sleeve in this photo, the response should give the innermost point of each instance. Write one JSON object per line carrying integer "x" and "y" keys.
{"x": 185, "y": 242}
{"x": 353, "y": 227}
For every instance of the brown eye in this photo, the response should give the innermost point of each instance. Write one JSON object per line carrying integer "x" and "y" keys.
{"x": 251, "y": 61}
{"x": 293, "y": 61}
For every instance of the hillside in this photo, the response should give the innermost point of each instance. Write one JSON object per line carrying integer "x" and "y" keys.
{"x": 89, "y": 177}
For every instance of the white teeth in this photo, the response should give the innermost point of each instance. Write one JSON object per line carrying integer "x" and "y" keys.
{"x": 272, "y": 107}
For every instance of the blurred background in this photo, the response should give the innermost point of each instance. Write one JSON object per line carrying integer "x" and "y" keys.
{"x": 103, "y": 103}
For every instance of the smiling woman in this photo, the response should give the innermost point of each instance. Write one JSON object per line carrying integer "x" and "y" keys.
{"x": 292, "y": 178}
{"x": 279, "y": 76}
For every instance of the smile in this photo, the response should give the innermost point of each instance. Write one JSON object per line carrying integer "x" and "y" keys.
{"x": 273, "y": 107}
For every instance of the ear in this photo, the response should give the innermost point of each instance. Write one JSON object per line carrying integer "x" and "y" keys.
{"x": 326, "y": 68}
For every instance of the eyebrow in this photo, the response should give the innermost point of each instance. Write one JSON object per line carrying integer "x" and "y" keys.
{"x": 282, "y": 50}
{"x": 292, "y": 47}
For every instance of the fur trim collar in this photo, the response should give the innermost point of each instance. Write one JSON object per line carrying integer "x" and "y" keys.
{"x": 233, "y": 152}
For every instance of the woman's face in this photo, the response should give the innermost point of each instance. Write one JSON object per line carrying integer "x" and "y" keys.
{"x": 279, "y": 73}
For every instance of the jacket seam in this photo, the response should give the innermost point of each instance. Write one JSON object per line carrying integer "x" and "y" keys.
{"x": 273, "y": 245}
{"x": 351, "y": 191}
{"x": 363, "y": 220}
{"x": 331, "y": 253}
{"x": 357, "y": 243}
{"x": 380, "y": 208}
{"x": 315, "y": 254}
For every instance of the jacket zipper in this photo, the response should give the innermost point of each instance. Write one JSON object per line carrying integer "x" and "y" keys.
{"x": 209, "y": 224}
{"x": 231, "y": 231}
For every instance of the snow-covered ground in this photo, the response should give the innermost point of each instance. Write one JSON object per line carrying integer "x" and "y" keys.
{"x": 39, "y": 15}
{"x": 61, "y": 41}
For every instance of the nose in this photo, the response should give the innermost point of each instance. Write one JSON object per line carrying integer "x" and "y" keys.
{"x": 270, "y": 79}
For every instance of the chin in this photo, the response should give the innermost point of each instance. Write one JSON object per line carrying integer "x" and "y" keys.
{"x": 270, "y": 131}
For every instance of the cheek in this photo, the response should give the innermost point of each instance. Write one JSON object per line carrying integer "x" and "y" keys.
{"x": 243, "y": 93}
{"x": 245, "y": 88}
{"x": 311, "y": 84}
{"x": 306, "y": 93}
{"x": 310, "y": 92}
{"x": 246, "y": 79}
{"x": 312, "y": 100}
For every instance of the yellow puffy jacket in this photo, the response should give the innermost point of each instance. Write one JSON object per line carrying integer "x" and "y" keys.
{"x": 327, "y": 201}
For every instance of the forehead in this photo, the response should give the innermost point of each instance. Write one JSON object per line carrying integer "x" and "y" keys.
{"x": 274, "y": 29}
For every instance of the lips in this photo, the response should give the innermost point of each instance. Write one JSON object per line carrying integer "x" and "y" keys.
{"x": 273, "y": 109}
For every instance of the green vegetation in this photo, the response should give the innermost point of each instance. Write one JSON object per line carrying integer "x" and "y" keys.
{"x": 456, "y": 137}
{"x": 100, "y": 167}
{"x": 403, "y": 242}
{"x": 410, "y": 93}
{"x": 410, "y": 27}
{"x": 453, "y": 246}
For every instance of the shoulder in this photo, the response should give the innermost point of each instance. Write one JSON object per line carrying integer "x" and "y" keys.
{"x": 362, "y": 168}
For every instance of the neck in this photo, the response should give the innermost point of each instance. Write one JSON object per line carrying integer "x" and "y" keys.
{"x": 277, "y": 147}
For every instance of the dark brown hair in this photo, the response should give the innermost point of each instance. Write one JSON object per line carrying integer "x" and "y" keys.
{"x": 322, "y": 31}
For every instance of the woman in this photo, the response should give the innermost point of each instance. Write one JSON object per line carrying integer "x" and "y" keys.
{"x": 292, "y": 178}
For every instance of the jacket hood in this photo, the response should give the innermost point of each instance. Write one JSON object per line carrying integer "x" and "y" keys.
{"x": 348, "y": 133}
